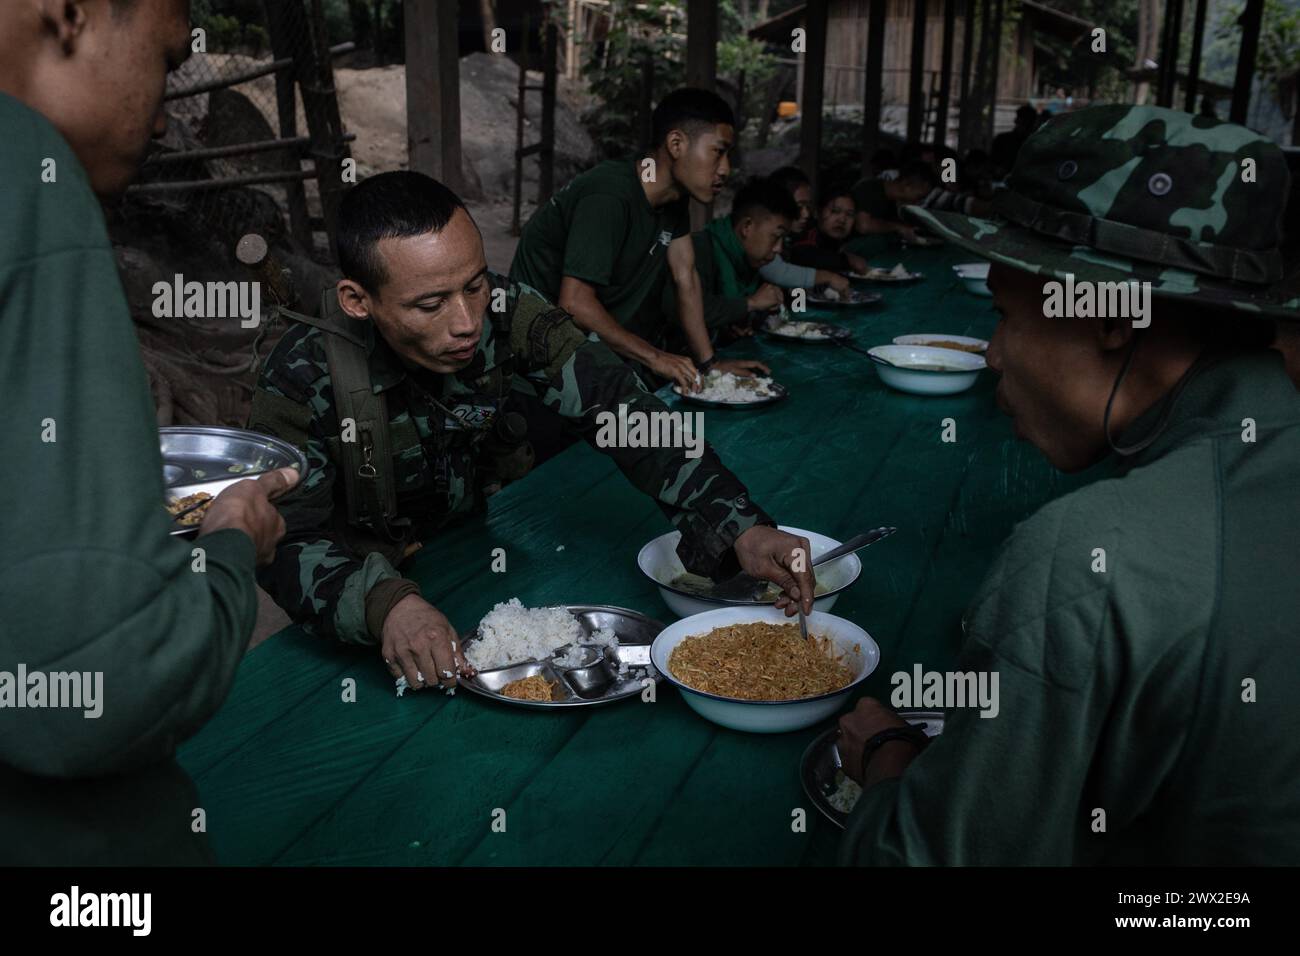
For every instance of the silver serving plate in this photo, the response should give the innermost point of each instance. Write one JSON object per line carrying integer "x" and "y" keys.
{"x": 885, "y": 277}
{"x": 597, "y": 680}
{"x": 857, "y": 299}
{"x": 202, "y": 458}
{"x": 819, "y": 768}
{"x": 780, "y": 390}
{"x": 834, "y": 333}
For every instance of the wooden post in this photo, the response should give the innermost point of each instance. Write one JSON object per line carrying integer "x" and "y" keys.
{"x": 996, "y": 44}
{"x": 646, "y": 108}
{"x": 816, "y": 15}
{"x": 321, "y": 104}
{"x": 967, "y": 53}
{"x": 945, "y": 79}
{"x": 1194, "y": 64}
{"x": 1169, "y": 52}
{"x": 702, "y": 72}
{"x": 1251, "y": 19}
{"x": 916, "y": 69}
{"x": 546, "y": 158}
{"x": 521, "y": 112}
{"x": 979, "y": 88}
{"x": 288, "y": 31}
{"x": 433, "y": 91}
{"x": 873, "y": 82}
{"x": 702, "y": 44}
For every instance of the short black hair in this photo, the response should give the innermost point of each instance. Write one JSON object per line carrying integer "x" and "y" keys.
{"x": 922, "y": 172}
{"x": 763, "y": 195}
{"x": 688, "y": 109}
{"x": 833, "y": 191}
{"x": 790, "y": 178}
{"x": 388, "y": 206}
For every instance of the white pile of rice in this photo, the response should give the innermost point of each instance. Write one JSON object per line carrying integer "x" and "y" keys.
{"x": 846, "y": 794}
{"x": 729, "y": 387}
{"x": 803, "y": 330}
{"x": 511, "y": 633}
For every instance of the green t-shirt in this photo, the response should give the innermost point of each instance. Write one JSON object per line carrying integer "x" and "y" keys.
{"x": 91, "y": 581}
{"x": 601, "y": 229}
{"x": 869, "y": 196}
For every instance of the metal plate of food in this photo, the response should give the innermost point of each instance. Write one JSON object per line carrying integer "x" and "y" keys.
{"x": 831, "y": 792}
{"x": 589, "y": 675}
{"x": 203, "y": 461}
{"x": 853, "y": 299}
{"x": 896, "y": 274}
{"x": 747, "y": 391}
{"x": 802, "y": 331}
{"x": 920, "y": 241}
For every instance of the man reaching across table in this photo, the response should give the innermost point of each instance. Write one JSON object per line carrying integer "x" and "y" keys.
{"x": 1142, "y": 628}
{"x": 600, "y": 248}
{"x": 418, "y": 347}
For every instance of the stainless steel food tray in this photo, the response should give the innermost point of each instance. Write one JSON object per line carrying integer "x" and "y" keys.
{"x": 201, "y": 458}
{"x": 598, "y": 680}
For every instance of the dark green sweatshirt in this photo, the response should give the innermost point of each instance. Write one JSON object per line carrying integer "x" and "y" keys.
{"x": 1160, "y": 691}
{"x": 89, "y": 579}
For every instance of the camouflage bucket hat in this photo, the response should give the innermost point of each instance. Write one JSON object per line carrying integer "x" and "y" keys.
{"x": 1142, "y": 194}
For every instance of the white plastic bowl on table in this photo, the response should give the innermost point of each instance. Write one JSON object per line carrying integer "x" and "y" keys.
{"x": 860, "y": 652}
{"x": 659, "y": 562}
{"x": 960, "y": 369}
{"x": 975, "y": 276}
{"x": 930, "y": 338}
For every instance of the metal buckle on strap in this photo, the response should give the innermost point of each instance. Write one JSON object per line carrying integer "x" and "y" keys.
{"x": 367, "y": 468}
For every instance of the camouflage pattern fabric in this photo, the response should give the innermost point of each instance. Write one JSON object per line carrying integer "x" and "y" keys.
{"x": 324, "y": 569}
{"x": 1142, "y": 194}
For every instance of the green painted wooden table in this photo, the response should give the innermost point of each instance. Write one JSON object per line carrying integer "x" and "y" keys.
{"x": 290, "y": 773}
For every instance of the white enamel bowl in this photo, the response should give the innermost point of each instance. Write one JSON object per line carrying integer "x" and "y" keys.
{"x": 861, "y": 654}
{"x": 659, "y": 562}
{"x": 957, "y": 373}
{"x": 975, "y": 276}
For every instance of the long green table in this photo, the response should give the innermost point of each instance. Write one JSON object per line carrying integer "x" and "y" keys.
{"x": 290, "y": 773}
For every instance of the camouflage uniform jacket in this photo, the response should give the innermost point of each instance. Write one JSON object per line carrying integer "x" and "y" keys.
{"x": 340, "y": 580}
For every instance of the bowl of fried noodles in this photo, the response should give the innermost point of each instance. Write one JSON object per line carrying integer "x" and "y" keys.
{"x": 749, "y": 669}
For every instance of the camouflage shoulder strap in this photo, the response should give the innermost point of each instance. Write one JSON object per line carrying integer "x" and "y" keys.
{"x": 366, "y": 462}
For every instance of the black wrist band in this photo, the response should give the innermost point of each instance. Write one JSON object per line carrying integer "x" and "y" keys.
{"x": 707, "y": 363}
{"x": 911, "y": 734}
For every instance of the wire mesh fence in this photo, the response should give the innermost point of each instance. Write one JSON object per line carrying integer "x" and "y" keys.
{"x": 253, "y": 123}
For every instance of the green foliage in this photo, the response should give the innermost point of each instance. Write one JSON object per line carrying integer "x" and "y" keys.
{"x": 648, "y": 30}
{"x": 1076, "y": 64}
{"x": 1279, "y": 41}
{"x": 654, "y": 31}
{"x": 740, "y": 55}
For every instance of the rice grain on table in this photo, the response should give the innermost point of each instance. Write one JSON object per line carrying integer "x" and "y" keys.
{"x": 759, "y": 661}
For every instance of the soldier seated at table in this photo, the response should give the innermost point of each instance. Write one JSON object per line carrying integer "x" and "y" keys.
{"x": 729, "y": 252}
{"x": 822, "y": 246}
{"x": 877, "y": 202}
{"x": 603, "y": 247}
{"x": 397, "y": 393}
{"x": 1143, "y": 627}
